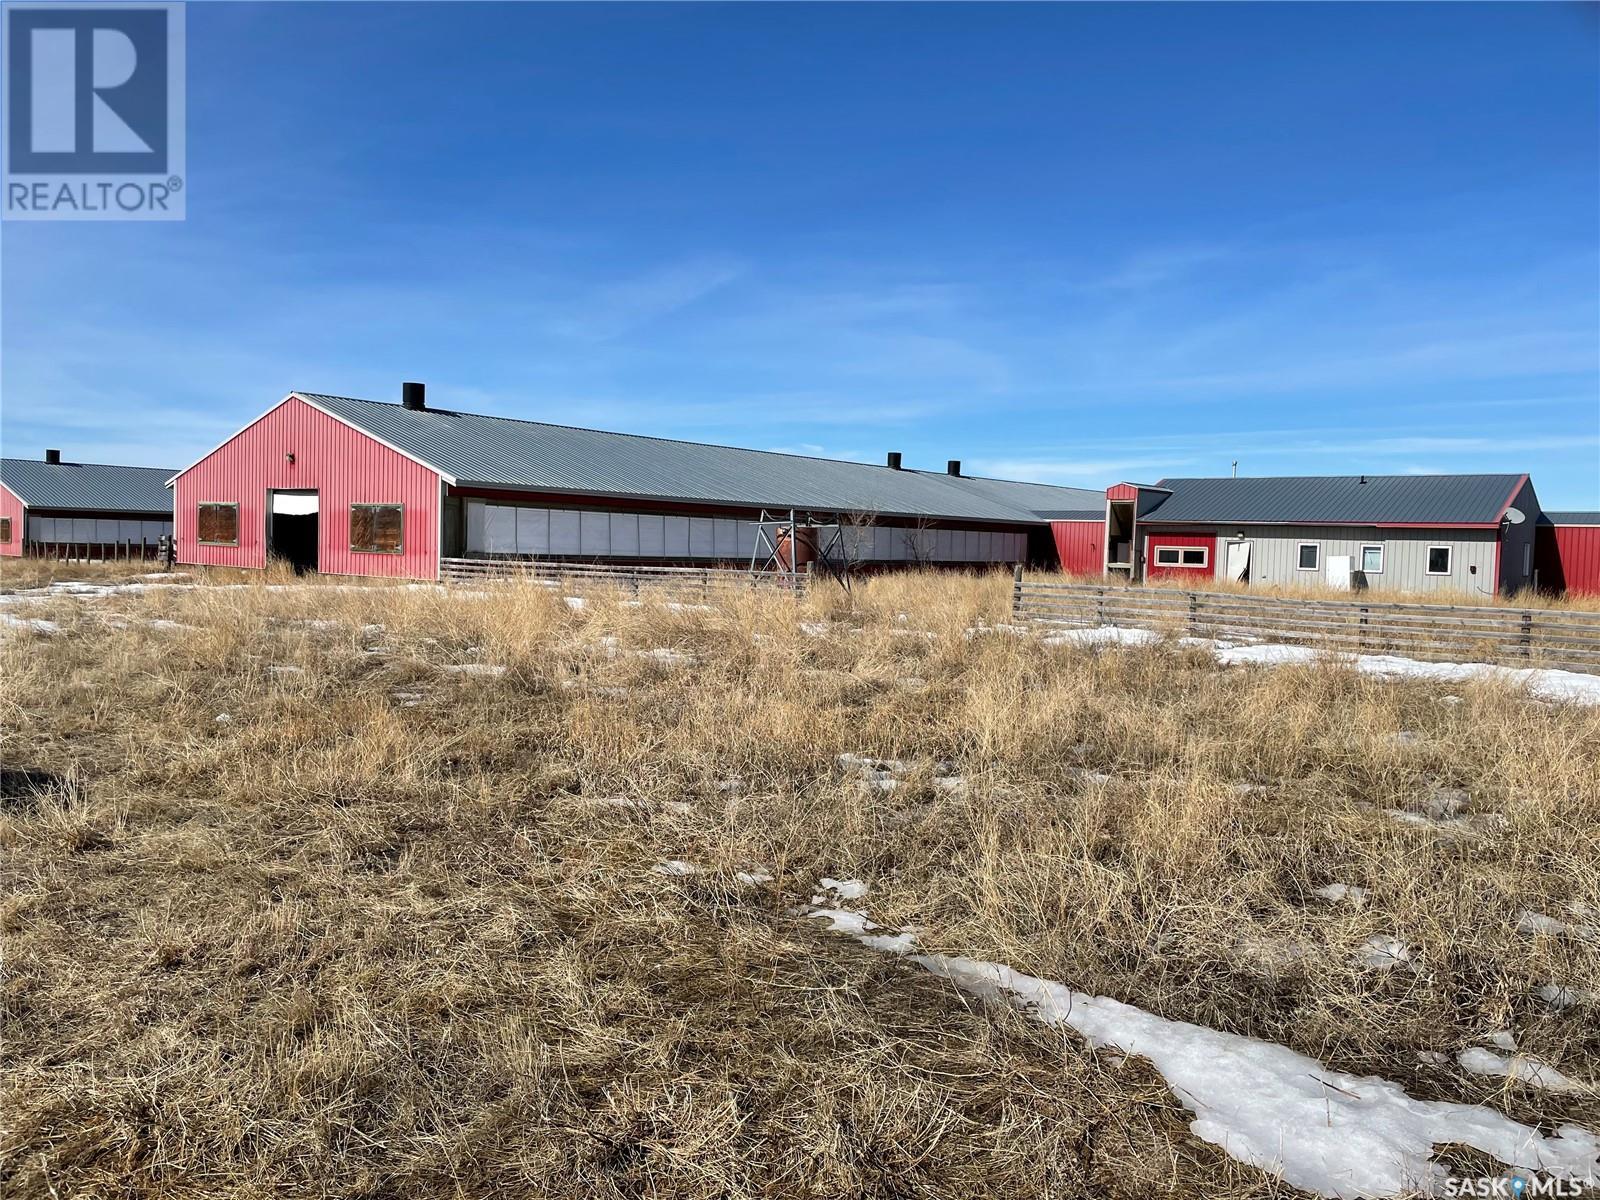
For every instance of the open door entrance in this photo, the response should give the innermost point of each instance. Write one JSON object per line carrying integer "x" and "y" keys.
{"x": 292, "y": 529}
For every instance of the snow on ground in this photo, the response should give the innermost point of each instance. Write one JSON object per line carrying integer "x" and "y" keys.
{"x": 1519, "y": 1068}
{"x": 1380, "y": 952}
{"x": 675, "y": 866}
{"x": 1562, "y": 996}
{"x": 1324, "y": 1131}
{"x": 1342, "y": 893}
{"x": 474, "y": 668}
{"x": 1535, "y": 923}
{"x": 1547, "y": 683}
{"x": 37, "y": 624}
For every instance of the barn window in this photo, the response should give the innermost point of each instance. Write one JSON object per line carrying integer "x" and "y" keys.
{"x": 218, "y": 524}
{"x": 5, "y": 530}
{"x": 1166, "y": 556}
{"x": 375, "y": 528}
{"x": 1438, "y": 560}
{"x": 1195, "y": 556}
{"x": 1310, "y": 556}
{"x": 1372, "y": 560}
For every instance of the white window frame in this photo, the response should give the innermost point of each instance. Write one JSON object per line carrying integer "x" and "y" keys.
{"x": 1299, "y": 559}
{"x": 1449, "y": 561}
{"x": 1382, "y": 554}
{"x": 1205, "y": 557}
{"x": 1172, "y": 550}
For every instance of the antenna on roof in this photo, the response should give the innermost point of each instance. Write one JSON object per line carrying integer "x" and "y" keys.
{"x": 1363, "y": 478}
{"x": 1236, "y": 468}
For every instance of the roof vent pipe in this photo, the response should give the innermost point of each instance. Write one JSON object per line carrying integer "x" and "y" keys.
{"x": 413, "y": 396}
{"x": 894, "y": 460}
{"x": 953, "y": 467}
{"x": 52, "y": 456}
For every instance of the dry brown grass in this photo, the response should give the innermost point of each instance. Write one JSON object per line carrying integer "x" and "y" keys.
{"x": 377, "y": 933}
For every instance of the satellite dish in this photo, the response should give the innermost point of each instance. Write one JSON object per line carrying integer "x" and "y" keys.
{"x": 1515, "y": 516}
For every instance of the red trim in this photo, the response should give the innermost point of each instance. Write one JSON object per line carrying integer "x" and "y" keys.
{"x": 1521, "y": 483}
{"x": 1338, "y": 524}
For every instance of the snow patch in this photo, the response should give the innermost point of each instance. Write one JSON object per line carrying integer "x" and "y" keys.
{"x": 1264, "y": 1104}
{"x": 1342, "y": 893}
{"x": 1518, "y": 1068}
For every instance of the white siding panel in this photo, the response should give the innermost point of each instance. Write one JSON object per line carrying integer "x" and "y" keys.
{"x": 702, "y": 537}
{"x": 677, "y": 537}
{"x": 594, "y": 533}
{"x": 725, "y": 537}
{"x": 564, "y": 532}
{"x": 533, "y": 531}
{"x": 625, "y": 534}
{"x": 475, "y": 535}
{"x": 652, "y": 535}
{"x": 499, "y": 529}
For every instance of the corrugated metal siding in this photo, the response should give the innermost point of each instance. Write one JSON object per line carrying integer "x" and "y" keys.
{"x": 507, "y": 453}
{"x": 1339, "y": 499}
{"x": 1517, "y": 542}
{"x": 1569, "y": 555}
{"x": 1081, "y": 545}
{"x": 343, "y": 465}
{"x": 88, "y": 486}
{"x": 1154, "y": 539}
{"x": 1274, "y": 556}
{"x": 11, "y": 507}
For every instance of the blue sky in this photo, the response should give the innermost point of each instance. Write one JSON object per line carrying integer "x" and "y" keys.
{"x": 1069, "y": 243}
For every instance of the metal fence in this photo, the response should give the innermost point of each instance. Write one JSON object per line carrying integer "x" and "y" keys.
{"x": 87, "y": 552}
{"x": 681, "y": 583}
{"x": 1436, "y": 632}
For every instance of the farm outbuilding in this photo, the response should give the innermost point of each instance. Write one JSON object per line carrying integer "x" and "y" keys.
{"x": 362, "y": 487}
{"x": 1567, "y": 554}
{"x": 92, "y": 510}
{"x": 1413, "y": 533}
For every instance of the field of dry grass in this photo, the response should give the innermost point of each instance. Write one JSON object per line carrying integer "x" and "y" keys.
{"x": 325, "y": 890}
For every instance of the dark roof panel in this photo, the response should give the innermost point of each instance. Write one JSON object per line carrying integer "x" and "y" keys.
{"x": 88, "y": 486}
{"x": 1570, "y": 516}
{"x": 508, "y": 453}
{"x": 1339, "y": 500}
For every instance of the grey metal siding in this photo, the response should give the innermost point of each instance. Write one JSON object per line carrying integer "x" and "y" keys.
{"x": 500, "y": 528}
{"x": 1274, "y": 556}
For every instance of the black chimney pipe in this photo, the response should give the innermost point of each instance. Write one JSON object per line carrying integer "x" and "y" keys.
{"x": 953, "y": 467}
{"x": 52, "y": 456}
{"x": 413, "y": 396}
{"x": 894, "y": 460}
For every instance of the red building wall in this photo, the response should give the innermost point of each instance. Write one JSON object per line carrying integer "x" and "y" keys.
{"x": 344, "y": 465}
{"x": 1197, "y": 574}
{"x": 1568, "y": 557}
{"x": 11, "y": 507}
{"x": 1080, "y": 545}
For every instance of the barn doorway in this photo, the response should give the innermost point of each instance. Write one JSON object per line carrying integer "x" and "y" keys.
{"x": 292, "y": 529}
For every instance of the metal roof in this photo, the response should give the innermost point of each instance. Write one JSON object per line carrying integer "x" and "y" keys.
{"x": 1570, "y": 517}
{"x": 1338, "y": 500}
{"x": 503, "y": 452}
{"x": 93, "y": 487}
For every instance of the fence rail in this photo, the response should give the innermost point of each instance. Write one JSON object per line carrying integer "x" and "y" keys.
{"x": 1437, "y": 632}
{"x": 126, "y": 550}
{"x": 706, "y": 583}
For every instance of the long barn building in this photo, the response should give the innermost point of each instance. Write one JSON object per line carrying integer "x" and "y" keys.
{"x": 361, "y": 487}
{"x": 93, "y": 510}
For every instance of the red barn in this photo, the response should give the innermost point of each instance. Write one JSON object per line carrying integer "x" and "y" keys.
{"x": 358, "y": 487}
{"x": 81, "y": 510}
{"x": 1568, "y": 553}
